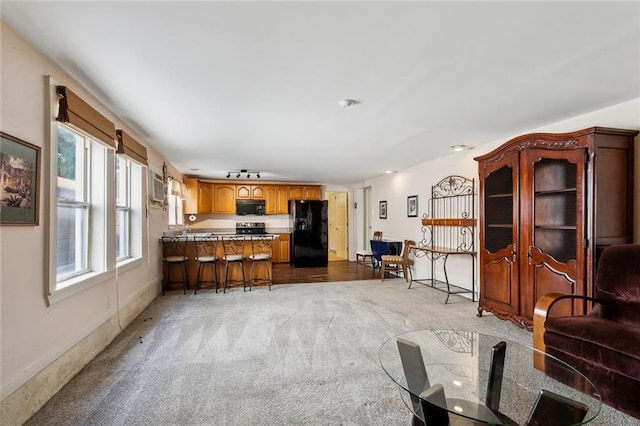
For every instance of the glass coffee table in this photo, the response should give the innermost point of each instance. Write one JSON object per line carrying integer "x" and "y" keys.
{"x": 462, "y": 377}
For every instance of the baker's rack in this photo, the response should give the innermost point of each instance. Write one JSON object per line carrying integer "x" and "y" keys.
{"x": 449, "y": 229}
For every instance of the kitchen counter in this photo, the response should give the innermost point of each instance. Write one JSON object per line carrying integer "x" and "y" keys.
{"x": 280, "y": 253}
{"x": 223, "y": 232}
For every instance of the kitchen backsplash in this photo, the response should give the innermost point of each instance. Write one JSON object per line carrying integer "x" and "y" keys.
{"x": 273, "y": 223}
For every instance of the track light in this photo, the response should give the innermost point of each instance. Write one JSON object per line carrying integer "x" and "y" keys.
{"x": 241, "y": 172}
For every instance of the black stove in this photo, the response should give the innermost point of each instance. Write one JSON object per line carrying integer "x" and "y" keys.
{"x": 250, "y": 228}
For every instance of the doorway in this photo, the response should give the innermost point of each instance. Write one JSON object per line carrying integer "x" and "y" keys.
{"x": 338, "y": 225}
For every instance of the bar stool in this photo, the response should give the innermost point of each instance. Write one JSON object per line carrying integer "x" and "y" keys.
{"x": 260, "y": 252}
{"x": 206, "y": 249}
{"x": 233, "y": 255}
{"x": 174, "y": 253}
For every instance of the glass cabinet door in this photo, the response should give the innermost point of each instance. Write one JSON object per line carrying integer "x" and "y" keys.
{"x": 553, "y": 208}
{"x": 499, "y": 234}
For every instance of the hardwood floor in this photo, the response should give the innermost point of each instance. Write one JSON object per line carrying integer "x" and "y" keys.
{"x": 338, "y": 270}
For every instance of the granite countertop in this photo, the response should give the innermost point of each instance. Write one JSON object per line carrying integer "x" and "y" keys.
{"x": 221, "y": 232}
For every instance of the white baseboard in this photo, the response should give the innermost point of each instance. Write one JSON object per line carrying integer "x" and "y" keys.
{"x": 27, "y": 391}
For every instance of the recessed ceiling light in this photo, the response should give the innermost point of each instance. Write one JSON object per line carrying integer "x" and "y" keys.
{"x": 458, "y": 148}
{"x": 389, "y": 171}
{"x": 195, "y": 169}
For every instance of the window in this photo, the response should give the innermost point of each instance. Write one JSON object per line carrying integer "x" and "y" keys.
{"x": 84, "y": 212}
{"x": 81, "y": 193}
{"x": 73, "y": 204}
{"x": 129, "y": 209}
{"x": 123, "y": 208}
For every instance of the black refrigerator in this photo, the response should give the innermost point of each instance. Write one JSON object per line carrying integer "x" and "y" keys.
{"x": 309, "y": 239}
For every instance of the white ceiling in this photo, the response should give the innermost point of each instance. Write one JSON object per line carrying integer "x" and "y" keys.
{"x": 218, "y": 86}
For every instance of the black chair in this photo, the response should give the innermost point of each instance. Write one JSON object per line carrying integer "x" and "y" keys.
{"x": 206, "y": 249}
{"x": 378, "y": 249}
{"x": 174, "y": 253}
{"x": 363, "y": 255}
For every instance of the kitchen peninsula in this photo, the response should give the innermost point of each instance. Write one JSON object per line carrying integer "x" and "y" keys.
{"x": 280, "y": 253}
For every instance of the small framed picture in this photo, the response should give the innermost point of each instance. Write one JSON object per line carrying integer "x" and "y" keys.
{"x": 19, "y": 165}
{"x": 383, "y": 209}
{"x": 412, "y": 206}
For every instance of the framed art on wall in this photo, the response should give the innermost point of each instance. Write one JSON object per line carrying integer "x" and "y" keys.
{"x": 19, "y": 164}
{"x": 412, "y": 206}
{"x": 383, "y": 209}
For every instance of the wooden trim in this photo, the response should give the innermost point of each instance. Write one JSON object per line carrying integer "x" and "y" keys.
{"x": 448, "y": 222}
{"x": 75, "y": 111}
{"x": 131, "y": 148}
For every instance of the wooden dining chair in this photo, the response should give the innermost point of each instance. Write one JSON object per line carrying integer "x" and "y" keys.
{"x": 397, "y": 263}
{"x": 363, "y": 255}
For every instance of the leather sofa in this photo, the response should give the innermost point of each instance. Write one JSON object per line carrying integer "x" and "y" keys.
{"x": 604, "y": 345}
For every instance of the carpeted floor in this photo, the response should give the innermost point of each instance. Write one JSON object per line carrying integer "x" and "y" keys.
{"x": 298, "y": 355}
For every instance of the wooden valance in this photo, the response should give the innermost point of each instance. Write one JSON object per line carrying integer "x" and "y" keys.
{"x": 75, "y": 111}
{"x": 131, "y": 148}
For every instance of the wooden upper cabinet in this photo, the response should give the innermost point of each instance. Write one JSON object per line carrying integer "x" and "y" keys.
{"x": 276, "y": 199}
{"x": 257, "y": 192}
{"x": 205, "y": 198}
{"x": 313, "y": 192}
{"x": 199, "y": 199}
{"x": 297, "y": 192}
{"x": 305, "y": 192}
{"x": 224, "y": 197}
{"x": 250, "y": 192}
{"x": 191, "y": 200}
{"x": 271, "y": 199}
{"x": 282, "y": 195}
{"x": 220, "y": 198}
{"x": 243, "y": 192}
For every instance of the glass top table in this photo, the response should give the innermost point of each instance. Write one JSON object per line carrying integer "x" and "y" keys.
{"x": 463, "y": 377}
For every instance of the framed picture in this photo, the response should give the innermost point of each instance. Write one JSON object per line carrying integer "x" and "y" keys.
{"x": 19, "y": 165}
{"x": 412, "y": 206}
{"x": 383, "y": 209}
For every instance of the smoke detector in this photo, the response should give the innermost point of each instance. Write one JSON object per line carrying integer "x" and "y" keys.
{"x": 347, "y": 102}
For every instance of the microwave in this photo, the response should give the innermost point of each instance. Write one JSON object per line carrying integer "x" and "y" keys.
{"x": 250, "y": 207}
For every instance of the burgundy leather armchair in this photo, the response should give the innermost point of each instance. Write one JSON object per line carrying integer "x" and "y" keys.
{"x": 604, "y": 345}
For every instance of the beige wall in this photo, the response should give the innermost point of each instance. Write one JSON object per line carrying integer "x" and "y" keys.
{"x": 418, "y": 180}
{"x": 43, "y": 346}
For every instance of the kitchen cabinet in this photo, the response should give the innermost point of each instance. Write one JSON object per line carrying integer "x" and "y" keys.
{"x": 276, "y": 199}
{"x": 297, "y": 192}
{"x": 220, "y": 197}
{"x": 313, "y": 192}
{"x": 205, "y": 198}
{"x": 250, "y": 192}
{"x": 549, "y": 204}
{"x": 281, "y": 249}
{"x": 199, "y": 199}
{"x": 224, "y": 198}
{"x": 305, "y": 192}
